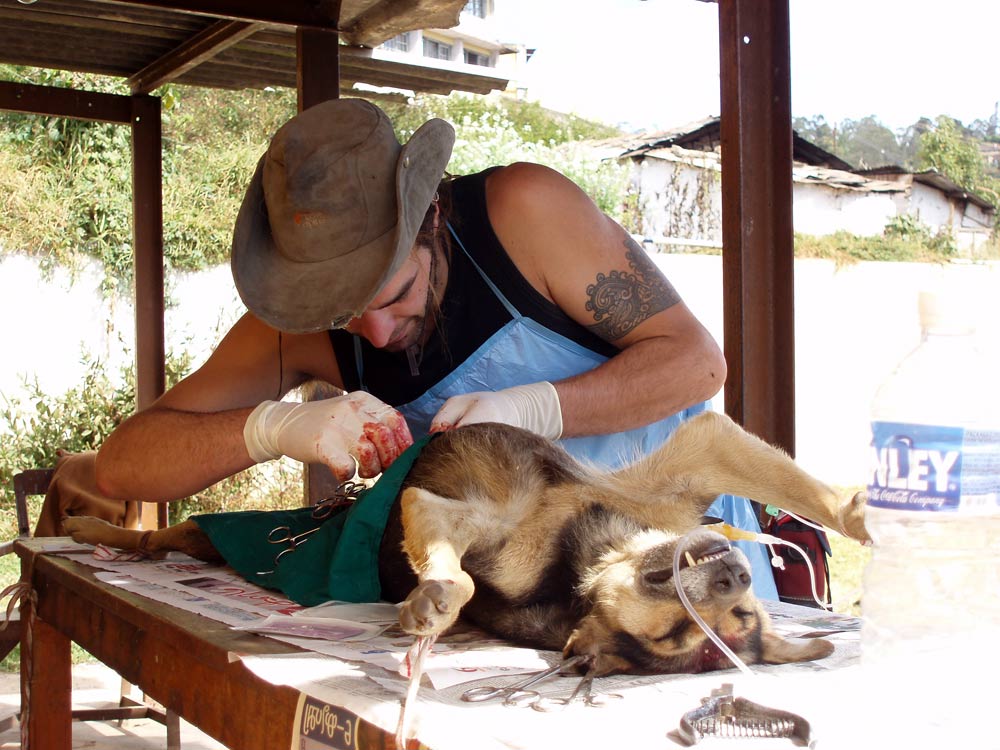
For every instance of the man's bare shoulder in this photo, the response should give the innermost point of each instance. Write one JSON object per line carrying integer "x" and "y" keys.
{"x": 541, "y": 217}
{"x": 522, "y": 186}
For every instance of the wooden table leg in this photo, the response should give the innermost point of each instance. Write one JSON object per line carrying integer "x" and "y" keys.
{"x": 46, "y": 687}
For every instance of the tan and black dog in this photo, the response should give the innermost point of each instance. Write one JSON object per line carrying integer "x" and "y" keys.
{"x": 507, "y": 529}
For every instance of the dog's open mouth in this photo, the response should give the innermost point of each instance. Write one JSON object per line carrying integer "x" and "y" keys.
{"x": 698, "y": 552}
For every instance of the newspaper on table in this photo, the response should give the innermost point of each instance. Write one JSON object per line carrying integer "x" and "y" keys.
{"x": 363, "y": 678}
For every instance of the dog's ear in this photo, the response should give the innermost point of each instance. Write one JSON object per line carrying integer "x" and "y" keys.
{"x": 778, "y": 650}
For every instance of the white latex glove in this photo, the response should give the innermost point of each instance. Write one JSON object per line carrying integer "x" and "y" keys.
{"x": 334, "y": 431}
{"x": 534, "y": 407}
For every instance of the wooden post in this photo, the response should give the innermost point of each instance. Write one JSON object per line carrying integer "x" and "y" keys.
{"x": 46, "y": 684}
{"x": 147, "y": 232}
{"x": 758, "y": 243}
{"x": 318, "y": 81}
{"x": 318, "y": 69}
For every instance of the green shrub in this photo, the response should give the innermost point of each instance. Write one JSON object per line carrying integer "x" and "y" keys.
{"x": 65, "y": 185}
{"x": 904, "y": 238}
{"x": 34, "y": 427}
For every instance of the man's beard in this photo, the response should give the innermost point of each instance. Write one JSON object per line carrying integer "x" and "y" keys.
{"x": 409, "y": 334}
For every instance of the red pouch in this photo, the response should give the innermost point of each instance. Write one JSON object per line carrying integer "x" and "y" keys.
{"x": 793, "y": 582}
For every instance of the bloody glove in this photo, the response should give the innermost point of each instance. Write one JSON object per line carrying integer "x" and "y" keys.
{"x": 335, "y": 431}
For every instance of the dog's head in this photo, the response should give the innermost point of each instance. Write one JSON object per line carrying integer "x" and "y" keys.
{"x": 637, "y": 622}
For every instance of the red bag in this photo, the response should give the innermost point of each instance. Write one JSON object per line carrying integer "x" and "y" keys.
{"x": 793, "y": 582}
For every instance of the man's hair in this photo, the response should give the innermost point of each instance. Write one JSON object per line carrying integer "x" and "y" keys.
{"x": 439, "y": 239}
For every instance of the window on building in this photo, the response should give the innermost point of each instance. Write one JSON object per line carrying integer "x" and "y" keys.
{"x": 400, "y": 43}
{"x": 476, "y": 8}
{"x": 437, "y": 50}
{"x": 476, "y": 58}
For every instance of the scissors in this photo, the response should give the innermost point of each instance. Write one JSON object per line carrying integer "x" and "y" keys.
{"x": 518, "y": 693}
{"x": 583, "y": 691}
{"x": 284, "y": 535}
{"x": 345, "y": 494}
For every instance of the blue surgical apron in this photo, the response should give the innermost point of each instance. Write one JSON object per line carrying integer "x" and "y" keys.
{"x": 523, "y": 352}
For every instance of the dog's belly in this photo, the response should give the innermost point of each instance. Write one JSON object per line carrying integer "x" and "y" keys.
{"x": 540, "y": 613}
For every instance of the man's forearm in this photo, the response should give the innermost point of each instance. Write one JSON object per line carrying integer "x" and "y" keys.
{"x": 162, "y": 454}
{"x": 640, "y": 385}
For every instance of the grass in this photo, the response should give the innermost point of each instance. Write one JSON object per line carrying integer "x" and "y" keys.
{"x": 847, "y": 565}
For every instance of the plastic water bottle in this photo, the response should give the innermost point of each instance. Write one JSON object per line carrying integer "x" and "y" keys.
{"x": 931, "y": 602}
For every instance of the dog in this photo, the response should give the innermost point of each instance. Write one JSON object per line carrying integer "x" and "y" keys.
{"x": 508, "y": 530}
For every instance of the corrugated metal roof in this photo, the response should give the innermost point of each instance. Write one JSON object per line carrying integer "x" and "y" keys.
{"x": 226, "y": 43}
{"x": 837, "y": 179}
{"x": 706, "y": 135}
{"x": 933, "y": 178}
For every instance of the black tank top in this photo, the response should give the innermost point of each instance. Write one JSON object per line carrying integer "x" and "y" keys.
{"x": 470, "y": 311}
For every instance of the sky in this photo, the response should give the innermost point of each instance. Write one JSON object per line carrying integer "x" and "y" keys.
{"x": 656, "y": 64}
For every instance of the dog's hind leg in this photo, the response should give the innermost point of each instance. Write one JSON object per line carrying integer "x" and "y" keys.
{"x": 436, "y": 533}
{"x": 710, "y": 455}
{"x": 182, "y": 537}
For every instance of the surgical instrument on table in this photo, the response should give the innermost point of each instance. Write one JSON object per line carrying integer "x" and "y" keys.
{"x": 516, "y": 694}
{"x": 722, "y": 715}
{"x": 583, "y": 692}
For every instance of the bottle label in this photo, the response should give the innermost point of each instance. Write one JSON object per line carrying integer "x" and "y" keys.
{"x": 928, "y": 467}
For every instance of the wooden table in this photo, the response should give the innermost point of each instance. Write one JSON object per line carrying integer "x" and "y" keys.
{"x": 186, "y": 662}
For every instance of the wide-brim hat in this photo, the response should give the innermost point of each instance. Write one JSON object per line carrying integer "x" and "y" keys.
{"x": 331, "y": 212}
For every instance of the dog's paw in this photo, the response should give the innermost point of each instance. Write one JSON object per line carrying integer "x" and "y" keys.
{"x": 432, "y": 607}
{"x": 85, "y": 529}
{"x": 852, "y": 517}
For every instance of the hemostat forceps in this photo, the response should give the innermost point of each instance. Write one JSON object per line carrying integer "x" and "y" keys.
{"x": 516, "y": 694}
{"x": 345, "y": 495}
{"x": 284, "y": 535}
{"x": 582, "y": 692}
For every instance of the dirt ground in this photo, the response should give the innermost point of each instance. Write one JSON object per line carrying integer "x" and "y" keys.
{"x": 96, "y": 686}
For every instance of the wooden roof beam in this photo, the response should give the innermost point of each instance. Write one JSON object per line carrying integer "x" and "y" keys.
{"x": 57, "y": 102}
{"x": 387, "y": 18}
{"x": 199, "y": 48}
{"x": 322, "y": 14}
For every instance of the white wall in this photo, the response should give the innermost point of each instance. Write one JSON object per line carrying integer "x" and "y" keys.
{"x": 821, "y": 210}
{"x": 50, "y": 320}
{"x": 680, "y": 199}
{"x": 851, "y": 325}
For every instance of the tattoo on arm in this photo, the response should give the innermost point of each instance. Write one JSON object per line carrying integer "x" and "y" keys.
{"x": 621, "y": 300}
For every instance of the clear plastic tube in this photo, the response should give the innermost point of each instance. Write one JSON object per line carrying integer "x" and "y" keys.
{"x": 731, "y": 533}
{"x": 737, "y": 661}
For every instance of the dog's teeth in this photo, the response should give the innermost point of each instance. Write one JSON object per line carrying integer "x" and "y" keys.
{"x": 690, "y": 560}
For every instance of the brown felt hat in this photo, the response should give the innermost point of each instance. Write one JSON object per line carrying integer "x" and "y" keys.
{"x": 331, "y": 213}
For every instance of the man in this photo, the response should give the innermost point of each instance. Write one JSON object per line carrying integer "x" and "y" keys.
{"x": 504, "y": 296}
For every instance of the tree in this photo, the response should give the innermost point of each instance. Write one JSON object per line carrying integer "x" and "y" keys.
{"x": 868, "y": 143}
{"x": 864, "y": 143}
{"x": 817, "y": 131}
{"x": 946, "y": 149}
{"x": 909, "y": 140}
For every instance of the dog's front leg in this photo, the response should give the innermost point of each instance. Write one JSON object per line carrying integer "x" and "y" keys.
{"x": 436, "y": 533}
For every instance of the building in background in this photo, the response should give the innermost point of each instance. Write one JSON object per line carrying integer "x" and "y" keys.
{"x": 470, "y": 46}
{"x": 677, "y": 177}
